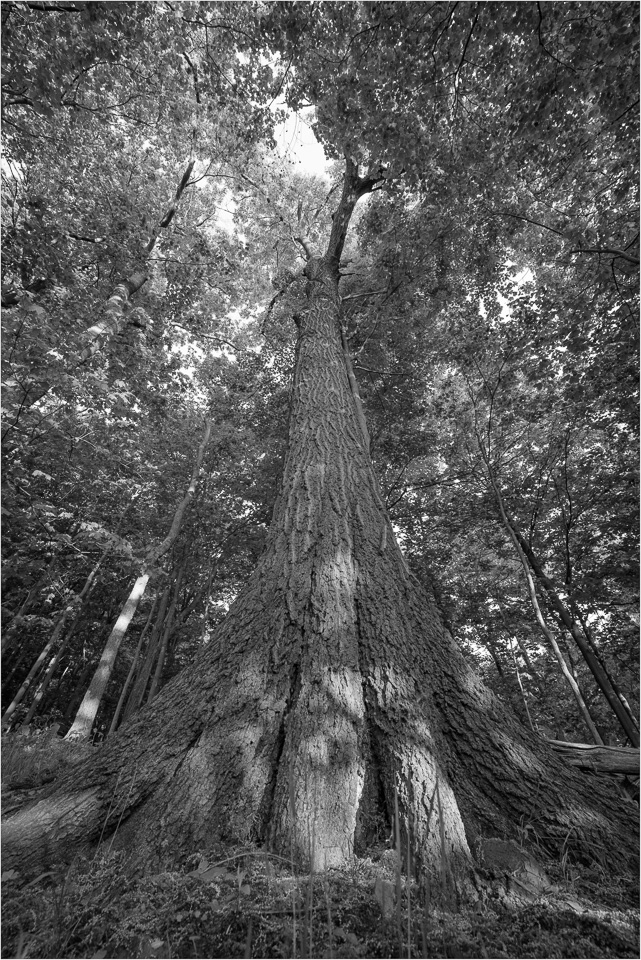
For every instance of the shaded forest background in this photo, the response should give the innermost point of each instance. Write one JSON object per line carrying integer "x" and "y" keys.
{"x": 149, "y": 273}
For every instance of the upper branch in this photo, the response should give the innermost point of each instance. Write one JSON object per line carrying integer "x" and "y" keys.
{"x": 354, "y": 187}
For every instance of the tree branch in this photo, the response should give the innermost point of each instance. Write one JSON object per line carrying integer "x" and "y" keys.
{"x": 607, "y": 250}
{"x": 358, "y": 296}
{"x": 204, "y": 336}
{"x": 305, "y": 244}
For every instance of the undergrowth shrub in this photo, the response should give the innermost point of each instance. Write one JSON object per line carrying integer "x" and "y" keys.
{"x": 247, "y": 903}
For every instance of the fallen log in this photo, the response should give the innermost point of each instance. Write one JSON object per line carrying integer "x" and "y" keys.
{"x": 589, "y": 756}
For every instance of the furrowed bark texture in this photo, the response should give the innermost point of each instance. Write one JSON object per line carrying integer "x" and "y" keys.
{"x": 331, "y": 690}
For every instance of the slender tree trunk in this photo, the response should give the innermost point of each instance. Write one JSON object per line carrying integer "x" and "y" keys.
{"x": 491, "y": 646}
{"x": 624, "y": 717}
{"x": 81, "y": 727}
{"x": 597, "y": 653}
{"x": 162, "y": 653}
{"x": 203, "y": 632}
{"x": 7, "y": 683}
{"x": 522, "y": 689}
{"x": 37, "y": 666}
{"x": 132, "y": 671}
{"x": 84, "y": 720}
{"x": 113, "y": 317}
{"x": 140, "y": 686}
{"x": 16, "y": 622}
{"x": 78, "y": 605}
{"x": 75, "y": 692}
{"x": 570, "y": 618}
{"x": 524, "y": 652}
{"x": 528, "y": 665}
{"x": 51, "y": 669}
{"x": 545, "y": 630}
{"x": 330, "y": 693}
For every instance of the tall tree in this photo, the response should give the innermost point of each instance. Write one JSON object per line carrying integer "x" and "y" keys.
{"x": 330, "y": 685}
{"x": 332, "y": 693}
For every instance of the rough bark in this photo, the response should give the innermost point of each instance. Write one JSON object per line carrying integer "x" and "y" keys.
{"x": 330, "y": 692}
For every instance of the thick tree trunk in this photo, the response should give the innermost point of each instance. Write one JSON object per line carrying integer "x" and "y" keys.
{"x": 330, "y": 690}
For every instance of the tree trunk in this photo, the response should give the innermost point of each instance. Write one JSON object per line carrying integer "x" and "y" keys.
{"x": 113, "y": 318}
{"x": 597, "y": 653}
{"x": 16, "y": 622}
{"x": 132, "y": 672}
{"x": 545, "y": 630}
{"x": 162, "y": 653}
{"x": 137, "y": 694}
{"x": 81, "y": 727}
{"x": 74, "y": 692}
{"x": 522, "y": 689}
{"x": 78, "y": 604}
{"x": 38, "y": 664}
{"x": 331, "y": 690}
{"x": 623, "y": 760}
{"x": 617, "y": 704}
{"x": 51, "y": 669}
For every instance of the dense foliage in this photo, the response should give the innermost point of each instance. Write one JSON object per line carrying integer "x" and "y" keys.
{"x": 490, "y": 285}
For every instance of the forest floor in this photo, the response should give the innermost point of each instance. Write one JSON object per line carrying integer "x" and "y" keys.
{"x": 247, "y": 903}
